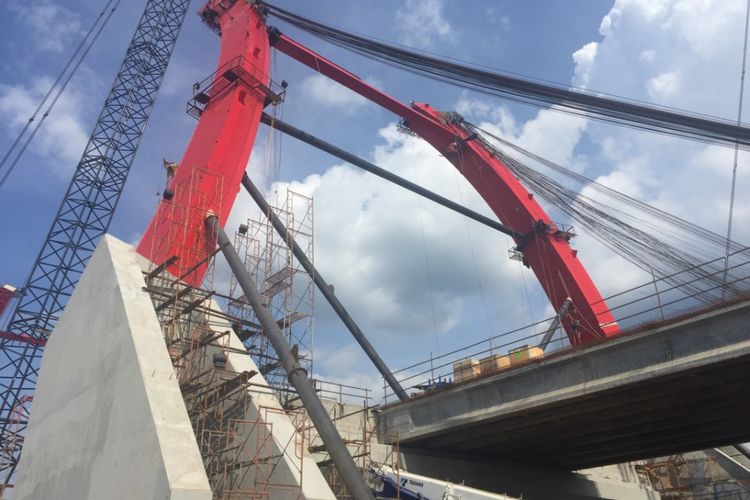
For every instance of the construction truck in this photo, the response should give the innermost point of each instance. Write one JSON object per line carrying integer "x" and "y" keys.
{"x": 387, "y": 482}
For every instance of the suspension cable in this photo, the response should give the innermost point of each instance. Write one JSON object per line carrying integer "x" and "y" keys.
{"x": 642, "y": 234}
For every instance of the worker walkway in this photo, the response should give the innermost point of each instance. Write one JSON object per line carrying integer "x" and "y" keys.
{"x": 672, "y": 388}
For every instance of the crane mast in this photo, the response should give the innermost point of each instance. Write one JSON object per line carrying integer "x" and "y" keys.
{"x": 83, "y": 217}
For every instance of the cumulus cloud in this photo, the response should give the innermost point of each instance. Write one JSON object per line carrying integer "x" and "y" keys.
{"x": 61, "y": 139}
{"x": 551, "y": 134}
{"x": 668, "y": 171}
{"x": 51, "y": 26}
{"x": 328, "y": 93}
{"x": 666, "y": 52}
{"x": 422, "y": 23}
{"x": 664, "y": 86}
{"x": 405, "y": 268}
{"x": 584, "y": 58}
{"x": 403, "y": 265}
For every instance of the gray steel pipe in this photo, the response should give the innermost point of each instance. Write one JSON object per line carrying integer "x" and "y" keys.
{"x": 555, "y": 323}
{"x": 325, "y": 289}
{"x": 385, "y": 174}
{"x": 335, "y": 446}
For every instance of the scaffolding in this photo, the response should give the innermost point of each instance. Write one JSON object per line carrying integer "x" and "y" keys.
{"x": 234, "y": 433}
{"x": 235, "y": 440}
{"x": 287, "y": 288}
{"x": 351, "y": 410}
{"x": 183, "y": 209}
{"x": 692, "y": 476}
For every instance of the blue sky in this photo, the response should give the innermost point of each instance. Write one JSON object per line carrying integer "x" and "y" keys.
{"x": 419, "y": 280}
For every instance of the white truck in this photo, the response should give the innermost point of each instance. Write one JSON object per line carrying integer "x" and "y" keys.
{"x": 389, "y": 483}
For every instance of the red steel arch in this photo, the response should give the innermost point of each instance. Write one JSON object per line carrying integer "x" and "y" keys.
{"x": 218, "y": 152}
{"x": 546, "y": 250}
{"x": 208, "y": 177}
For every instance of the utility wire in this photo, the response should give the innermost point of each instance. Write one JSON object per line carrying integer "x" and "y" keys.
{"x": 737, "y": 146}
{"x": 74, "y": 62}
{"x": 579, "y": 102}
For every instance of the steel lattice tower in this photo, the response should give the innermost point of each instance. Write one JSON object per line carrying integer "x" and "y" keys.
{"x": 83, "y": 217}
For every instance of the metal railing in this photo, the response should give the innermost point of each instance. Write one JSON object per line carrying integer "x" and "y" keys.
{"x": 648, "y": 304}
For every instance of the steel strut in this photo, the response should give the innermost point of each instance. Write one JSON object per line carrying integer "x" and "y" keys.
{"x": 335, "y": 446}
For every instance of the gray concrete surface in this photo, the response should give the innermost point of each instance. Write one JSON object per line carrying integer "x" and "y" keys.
{"x": 616, "y": 482}
{"x": 680, "y": 387}
{"x": 527, "y": 482}
{"x": 108, "y": 419}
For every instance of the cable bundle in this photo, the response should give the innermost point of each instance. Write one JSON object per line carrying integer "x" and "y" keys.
{"x": 573, "y": 101}
{"x": 684, "y": 254}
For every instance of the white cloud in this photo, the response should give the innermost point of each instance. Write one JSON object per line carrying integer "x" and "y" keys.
{"x": 664, "y": 86}
{"x": 648, "y": 55}
{"x": 402, "y": 265}
{"x": 422, "y": 23}
{"x": 708, "y": 26}
{"x": 681, "y": 53}
{"x": 550, "y": 134}
{"x": 477, "y": 109}
{"x": 687, "y": 176}
{"x": 51, "y": 26}
{"x": 584, "y": 58}
{"x": 64, "y": 134}
{"x": 328, "y": 93}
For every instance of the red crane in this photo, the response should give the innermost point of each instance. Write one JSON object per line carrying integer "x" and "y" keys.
{"x": 210, "y": 172}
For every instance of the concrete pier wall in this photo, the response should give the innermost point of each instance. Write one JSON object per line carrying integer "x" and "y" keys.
{"x": 266, "y": 433}
{"x": 108, "y": 419}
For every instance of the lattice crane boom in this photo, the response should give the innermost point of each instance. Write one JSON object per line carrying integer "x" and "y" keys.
{"x": 83, "y": 217}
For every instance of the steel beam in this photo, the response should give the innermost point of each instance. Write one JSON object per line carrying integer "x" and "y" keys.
{"x": 325, "y": 289}
{"x": 384, "y": 174}
{"x": 335, "y": 446}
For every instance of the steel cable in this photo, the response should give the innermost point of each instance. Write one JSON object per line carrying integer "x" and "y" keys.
{"x": 579, "y": 102}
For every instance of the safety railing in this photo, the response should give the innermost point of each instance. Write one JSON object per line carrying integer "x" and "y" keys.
{"x": 661, "y": 300}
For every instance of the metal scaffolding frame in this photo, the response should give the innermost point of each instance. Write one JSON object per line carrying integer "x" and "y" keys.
{"x": 236, "y": 449}
{"x": 287, "y": 288}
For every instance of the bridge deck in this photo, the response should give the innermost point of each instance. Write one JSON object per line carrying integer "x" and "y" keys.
{"x": 678, "y": 387}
